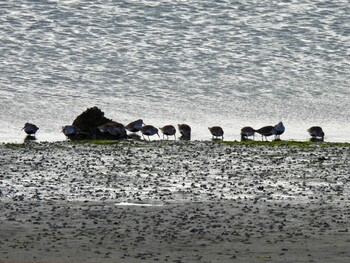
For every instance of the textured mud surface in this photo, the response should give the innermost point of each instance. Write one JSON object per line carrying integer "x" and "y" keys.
{"x": 174, "y": 202}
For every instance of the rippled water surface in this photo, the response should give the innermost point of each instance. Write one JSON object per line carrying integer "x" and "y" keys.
{"x": 205, "y": 63}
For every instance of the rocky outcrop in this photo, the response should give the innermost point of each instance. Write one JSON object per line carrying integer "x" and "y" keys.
{"x": 89, "y": 122}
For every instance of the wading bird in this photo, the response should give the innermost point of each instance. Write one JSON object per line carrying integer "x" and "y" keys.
{"x": 149, "y": 130}
{"x": 168, "y": 130}
{"x": 216, "y": 131}
{"x": 185, "y": 131}
{"x": 247, "y": 132}
{"x": 30, "y": 128}
{"x": 135, "y": 126}
{"x": 266, "y": 131}
{"x": 279, "y": 130}
{"x": 316, "y": 132}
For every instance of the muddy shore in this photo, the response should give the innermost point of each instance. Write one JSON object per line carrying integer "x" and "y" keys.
{"x": 167, "y": 201}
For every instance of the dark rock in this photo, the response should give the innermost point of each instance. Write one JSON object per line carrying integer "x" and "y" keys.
{"x": 89, "y": 121}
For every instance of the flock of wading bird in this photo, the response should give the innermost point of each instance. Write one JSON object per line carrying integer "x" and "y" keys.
{"x": 119, "y": 131}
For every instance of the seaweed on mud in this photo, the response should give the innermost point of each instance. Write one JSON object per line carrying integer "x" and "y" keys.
{"x": 15, "y": 145}
{"x": 111, "y": 142}
{"x": 305, "y": 144}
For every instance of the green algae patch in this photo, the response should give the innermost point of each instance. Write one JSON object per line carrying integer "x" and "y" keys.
{"x": 335, "y": 144}
{"x": 97, "y": 142}
{"x": 269, "y": 143}
{"x": 15, "y": 145}
{"x": 286, "y": 143}
{"x": 264, "y": 257}
{"x": 110, "y": 142}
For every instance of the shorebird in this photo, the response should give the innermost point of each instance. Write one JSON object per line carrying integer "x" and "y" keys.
{"x": 216, "y": 131}
{"x": 70, "y": 130}
{"x": 168, "y": 130}
{"x": 30, "y": 128}
{"x": 266, "y": 131}
{"x": 113, "y": 128}
{"x": 185, "y": 131}
{"x": 316, "y": 131}
{"x": 246, "y": 132}
{"x": 149, "y": 130}
{"x": 134, "y": 126}
{"x": 279, "y": 130}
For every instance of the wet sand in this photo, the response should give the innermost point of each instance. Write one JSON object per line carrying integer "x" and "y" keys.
{"x": 174, "y": 202}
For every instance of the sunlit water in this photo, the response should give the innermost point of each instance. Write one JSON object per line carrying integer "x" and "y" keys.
{"x": 203, "y": 62}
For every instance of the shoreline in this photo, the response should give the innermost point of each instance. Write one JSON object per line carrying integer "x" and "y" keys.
{"x": 196, "y": 201}
{"x": 332, "y": 135}
{"x": 131, "y": 141}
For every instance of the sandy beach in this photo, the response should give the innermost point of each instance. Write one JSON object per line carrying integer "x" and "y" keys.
{"x": 174, "y": 201}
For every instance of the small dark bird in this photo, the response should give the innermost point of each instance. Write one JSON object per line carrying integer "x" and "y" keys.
{"x": 30, "y": 128}
{"x": 70, "y": 130}
{"x": 113, "y": 128}
{"x": 216, "y": 131}
{"x": 185, "y": 131}
{"x": 135, "y": 126}
{"x": 316, "y": 132}
{"x": 279, "y": 130}
{"x": 168, "y": 130}
{"x": 266, "y": 131}
{"x": 247, "y": 132}
{"x": 149, "y": 130}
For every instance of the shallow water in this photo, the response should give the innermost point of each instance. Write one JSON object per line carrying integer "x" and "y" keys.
{"x": 205, "y": 63}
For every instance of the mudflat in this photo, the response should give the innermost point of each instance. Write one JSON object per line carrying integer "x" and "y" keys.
{"x": 174, "y": 201}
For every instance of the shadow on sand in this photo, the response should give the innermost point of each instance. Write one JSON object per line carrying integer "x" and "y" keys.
{"x": 29, "y": 138}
